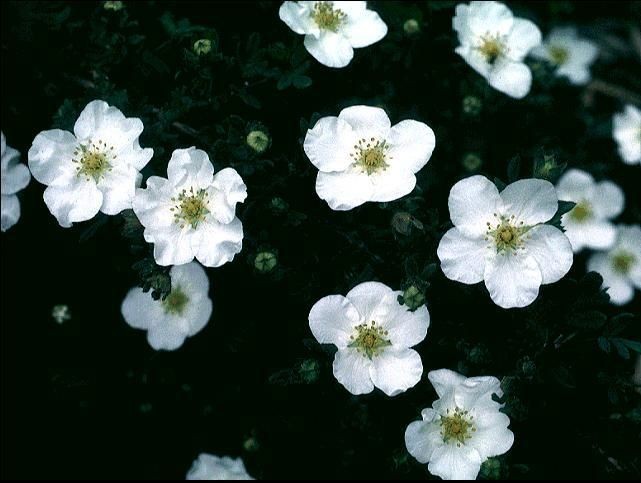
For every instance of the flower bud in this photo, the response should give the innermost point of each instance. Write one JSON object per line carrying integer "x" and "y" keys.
{"x": 115, "y": 6}
{"x": 472, "y": 162}
{"x": 413, "y": 297}
{"x": 472, "y": 105}
{"x": 258, "y": 141}
{"x": 202, "y": 46}
{"x": 265, "y": 262}
{"x": 411, "y": 26}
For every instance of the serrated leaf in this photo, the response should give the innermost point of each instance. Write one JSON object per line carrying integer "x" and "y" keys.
{"x": 592, "y": 319}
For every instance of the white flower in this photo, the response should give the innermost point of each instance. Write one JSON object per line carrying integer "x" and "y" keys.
{"x": 210, "y": 467}
{"x": 494, "y": 43}
{"x": 587, "y": 224}
{"x": 14, "y": 177}
{"x": 193, "y": 212}
{"x": 361, "y": 157}
{"x": 462, "y": 429}
{"x": 184, "y": 312}
{"x": 620, "y": 266}
{"x": 502, "y": 239}
{"x": 571, "y": 55}
{"x": 94, "y": 169}
{"x": 373, "y": 334}
{"x": 333, "y": 29}
{"x": 627, "y": 133}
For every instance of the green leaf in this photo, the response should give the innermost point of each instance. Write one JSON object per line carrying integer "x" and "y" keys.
{"x": 564, "y": 207}
{"x": 513, "y": 169}
{"x": 592, "y": 319}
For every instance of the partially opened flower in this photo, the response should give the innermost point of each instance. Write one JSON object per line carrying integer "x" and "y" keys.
{"x": 495, "y": 43}
{"x": 361, "y": 157}
{"x": 211, "y": 467}
{"x": 571, "y": 55}
{"x": 192, "y": 213}
{"x": 620, "y": 266}
{"x": 184, "y": 312}
{"x": 502, "y": 238}
{"x": 95, "y": 169}
{"x": 14, "y": 177}
{"x": 373, "y": 334}
{"x": 588, "y": 223}
{"x": 333, "y": 29}
{"x": 627, "y": 133}
{"x": 462, "y": 429}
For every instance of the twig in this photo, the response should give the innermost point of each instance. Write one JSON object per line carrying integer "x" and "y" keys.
{"x": 610, "y": 90}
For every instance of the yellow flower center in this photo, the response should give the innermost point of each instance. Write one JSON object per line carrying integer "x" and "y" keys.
{"x": 191, "y": 207}
{"x": 371, "y": 156}
{"x": 581, "y": 212}
{"x": 326, "y": 17}
{"x": 369, "y": 340}
{"x": 93, "y": 159}
{"x": 492, "y": 47}
{"x": 175, "y": 302}
{"x": 559, "y": 54}
{"x": 457, "y": 426}
{"x": 622, "y": 262}
{"x": 507, "y": 235}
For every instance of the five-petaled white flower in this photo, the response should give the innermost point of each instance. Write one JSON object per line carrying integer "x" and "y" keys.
{"x": 373, "y": 334}
{"x": 211, "y": 467}
{"x": 494, "y": 43}
{"x": 94, "y": 169}
{"x": 627, "y": 133}
{"x": 502, "y": 239}
{"x": 588, "y": 223}
{"x": 571, "y": 55}
{"x": 620, "y": 266}
{"x": 462, "y": 429}
{"x": 333, "y": 29}
{"x": 14, "y": 177}
{"x": 184, "y": 312}
{"x": 193, "y": 212}
{"x": 361, "y": 157}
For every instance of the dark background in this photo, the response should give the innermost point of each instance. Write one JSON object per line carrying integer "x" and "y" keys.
{"x": 90, "y": 399}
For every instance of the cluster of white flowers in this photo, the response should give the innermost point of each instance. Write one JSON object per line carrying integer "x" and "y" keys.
{"x": 14, "y": 177}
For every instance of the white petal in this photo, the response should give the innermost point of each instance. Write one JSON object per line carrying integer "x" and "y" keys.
{"x": 153, "y": 205}
{"x": 351, "y": 369}
{"x": 344, "y": 190}
{"x": 229, "y": 190}
{"x": 619, "y": 288}
{"x": 591, "y": 233}
{"x": 552, "y": 251}
{"x": 577, "y": 74}
{"x": 330, "y": 49}
{"x": 523, "y": 37}
{"x": 50, "y": 157}
{"x": 198, "y": 315}
{"x": 140, "y": 310}
{"x": 190, "y": 167}
{"x": 511, "y": 78}
{"x": 192, "y": 279}
{"x": 513, "y": 280}
{"x": 462, "y": 258}
{"x": 332, "y": 320}
{"x": 483, "y": 17}
{"x": 445, "y": 381}
{"x": 297, "y": 16}
{"x": 607, "y": 199}
{"x": 118, "y": 187}
{"x": 10, "y": 211}
{"x": 98, "y": 118}
{"x": 369, "y": 299}
{"x": 166, "y": 337}
{"x": 395, "y": 370}
{"x": 364, "y": 29}
{"x": 474, "y": 59}
{"x": 531, "y": 201}
{"x": 451, "y": 462}
{"x": 421, "y": 439}
{"x": 492, "y": 437}
{"x": 574, "y": 185}
{"x": 391, "y": 184}
{"x": 412, "y": 143}
{"x": 80, "y": 200}
{"x": 135, "y": 156}
{"x": 173, "y": 246}
{"x": 473, "y": 202}
{"x": 367, "y": 121}
{"x": 477, "y": 392}
{"x": 405, "y": 328}
{"x": 215, "y": 244}
{"x": 329, "y": 143}
{"x": 351, "y": 8}
{"x": 15, "y": 175}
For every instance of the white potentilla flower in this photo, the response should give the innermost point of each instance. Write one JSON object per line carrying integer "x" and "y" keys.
{"x": 571, "y": 55}
{"x": 14, "y": 177}
{"x": 627, "y": 133}
{"x": 95, "y": 169}
{"x": 494, "y": 43}
{"x": 462, "y": 429}
{"x": 192, "y": 213}
{"x": 184, "y": 312}
{"x": 620, "y": 266}
{"x": 588, "y": 223}
{"x": 333, "y": 29}
{"x": 361, "y": 157}
{"x": 373, "y": 334}
{"x": 503, "y": 239}
{"x": 210, "y": 467}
